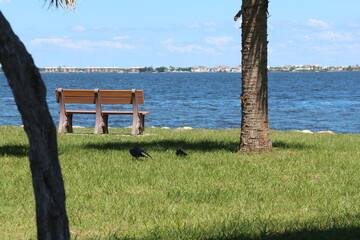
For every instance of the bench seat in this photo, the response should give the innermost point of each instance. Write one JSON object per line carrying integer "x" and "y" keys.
{"x": 106, "y": 112}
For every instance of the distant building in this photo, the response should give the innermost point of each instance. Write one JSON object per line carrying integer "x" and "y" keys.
{"x": 356, "y": 68}
{"x": 220, "y": 69}
{"x": 135, "y": 69}
{"x": 60, "y": 69}
{"x": 236, "y": 69}
{"x": 50, "y": 69}
{"x": 103, "y": 70}
{"x": 200, "y": 69}
{"x": 68, "y": 69}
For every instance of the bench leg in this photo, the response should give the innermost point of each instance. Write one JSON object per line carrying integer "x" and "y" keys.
{"x": 69, "y": 125}
{"x": 142, "y": 124}
{"x": 105, "y": 127}
{"x": 65, "y": 122}
{"x": 61, "y": 126}
{"x": 62, "y": 123}
{"x": 101, "y": 123}
{"x": 136, "y": 124}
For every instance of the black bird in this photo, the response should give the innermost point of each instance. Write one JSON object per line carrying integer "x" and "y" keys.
{"x": 137, "y": 152}
{"x": 180, "y": 152}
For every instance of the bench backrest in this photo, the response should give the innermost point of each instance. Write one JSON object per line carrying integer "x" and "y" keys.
{"x": 120, "y": 96}
{"x": 106, "y": 96}
{"x": 75, "y": 96}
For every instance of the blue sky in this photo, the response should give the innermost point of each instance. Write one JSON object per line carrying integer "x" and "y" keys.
{"x": 182, "y": 33}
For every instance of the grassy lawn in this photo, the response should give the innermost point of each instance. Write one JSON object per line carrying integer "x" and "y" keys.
{"x": 307, "y": 188}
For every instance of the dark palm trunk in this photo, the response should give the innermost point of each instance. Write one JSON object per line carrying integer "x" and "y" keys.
{"x": 255, "y": 134}
{"x": 30, "y": 96}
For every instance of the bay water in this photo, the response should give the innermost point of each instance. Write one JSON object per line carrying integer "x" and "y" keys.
{"x": 315, "y": 101}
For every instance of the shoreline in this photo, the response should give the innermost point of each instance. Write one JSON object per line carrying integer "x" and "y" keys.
{"x": 305, "y": 131}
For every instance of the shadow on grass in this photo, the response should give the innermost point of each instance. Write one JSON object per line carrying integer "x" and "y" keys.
{"x": 290, "y": 145}
{"x": 163, "y": 145}
{"x": 350, "y": 233}
{"x": 14, "y": 150}
{"x": 203, "y": 146}
{"x": 346, "y": 233}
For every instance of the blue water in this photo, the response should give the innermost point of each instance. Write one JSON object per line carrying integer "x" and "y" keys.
{"x": 326, "y": 101}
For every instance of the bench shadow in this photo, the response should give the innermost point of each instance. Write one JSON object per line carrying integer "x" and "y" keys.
{"x": 16, "y": 150}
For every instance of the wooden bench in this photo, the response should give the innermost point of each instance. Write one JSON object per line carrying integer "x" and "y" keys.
{"x": 98, "y": 98}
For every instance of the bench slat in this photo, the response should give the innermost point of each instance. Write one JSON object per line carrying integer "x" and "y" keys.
{"x": 82, "y": 100}
{"x": 80, "y": 112}
{"x": 124, "y": 112}
{"x": 120, "y": 97}
{"x": 78, "y": 92}
{"x": 106, "y": 100}
{"x": 106, "y": 112}
{"x": 119, "y": 93}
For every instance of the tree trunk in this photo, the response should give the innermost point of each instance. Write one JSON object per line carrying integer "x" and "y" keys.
{"x": 255, "y": 133}
{"x": 30, "y": 96}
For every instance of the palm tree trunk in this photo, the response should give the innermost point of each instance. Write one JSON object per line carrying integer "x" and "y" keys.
{"x": 30, "y": 96}
{"x": 255, "y": 134}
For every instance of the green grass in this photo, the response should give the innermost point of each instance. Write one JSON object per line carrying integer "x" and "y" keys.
{"x": 307, "y": 188}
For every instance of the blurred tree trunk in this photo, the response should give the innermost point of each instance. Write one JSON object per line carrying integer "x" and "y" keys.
{"x": 255, "y": 133}
{"x": 30, "y": 96}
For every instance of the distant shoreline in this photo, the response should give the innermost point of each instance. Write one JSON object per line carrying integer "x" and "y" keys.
{"x": 196, "y": 72}
{"x": 193, "y": 72}
{"x": 195, "y": 69}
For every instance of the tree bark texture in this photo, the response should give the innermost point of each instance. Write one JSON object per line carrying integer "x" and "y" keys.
{"x": 30, "y": 96}
{"x": 255, "y": 133}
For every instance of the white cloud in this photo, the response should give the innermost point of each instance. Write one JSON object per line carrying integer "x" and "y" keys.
{"x": 80, "y": 44}
{"x": 79, "y": 28}
{"x": 307, "y": 37}
{"x": 40, "y": 41}
{"x": 330, "y": 35}
{"x": 168, "y": 41}
{"x": 354, "y": 24}
{"x": 194, "y": 26}
{"x": 318, "y": 24}
{"x": 333, "y": 49}
{"x": 190, "y": 49}
{"x": 338, "y": 49}
{"x": 121, "y": 37}
{"x": 169, "y": 44}
{"x": 210, "y": 24}
{"x": 218, "y": 40}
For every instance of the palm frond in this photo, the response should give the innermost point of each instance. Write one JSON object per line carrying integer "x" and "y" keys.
{"x": 63, "y": 3}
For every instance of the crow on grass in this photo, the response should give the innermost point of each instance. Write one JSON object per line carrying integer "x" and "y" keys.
{"x": 180, "y": 152}
{"x": 137, "y": 153}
